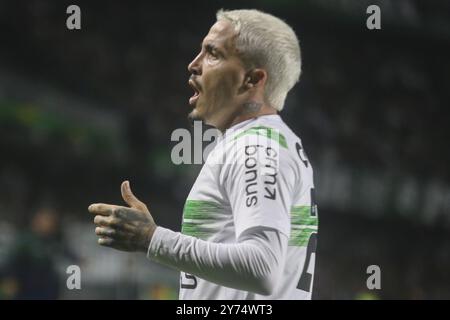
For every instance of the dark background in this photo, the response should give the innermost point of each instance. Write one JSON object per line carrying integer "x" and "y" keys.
{"x": 82, "y": 110}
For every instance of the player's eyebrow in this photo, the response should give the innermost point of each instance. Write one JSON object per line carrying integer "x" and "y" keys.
{"x": 210, "y": 47}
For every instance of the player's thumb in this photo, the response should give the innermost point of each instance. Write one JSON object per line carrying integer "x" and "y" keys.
{"x": 130, "y": 198}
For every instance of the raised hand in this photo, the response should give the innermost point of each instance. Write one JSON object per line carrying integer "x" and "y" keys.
{"x": 123, "y": 228}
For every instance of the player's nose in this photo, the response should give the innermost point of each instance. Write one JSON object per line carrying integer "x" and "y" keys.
{"x": 195, "y": 66}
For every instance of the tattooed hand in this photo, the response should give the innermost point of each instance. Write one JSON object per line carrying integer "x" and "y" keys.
{"x": 122, "y": 228}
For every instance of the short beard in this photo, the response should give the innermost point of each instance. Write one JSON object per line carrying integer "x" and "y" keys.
{"x": 192, "y": 117}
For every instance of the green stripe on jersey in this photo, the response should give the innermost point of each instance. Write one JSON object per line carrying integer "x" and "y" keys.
{"x": 200, "y": 209}
{"x": 302, "y": 225}
{"x": 268, "y": 132}
{"x": 195, "y": 230}
{"x": 195, "y": 214}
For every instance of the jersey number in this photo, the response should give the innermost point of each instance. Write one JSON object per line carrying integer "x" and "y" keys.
{"x": 188, "y": 281}
{"x": 306, "y": 278}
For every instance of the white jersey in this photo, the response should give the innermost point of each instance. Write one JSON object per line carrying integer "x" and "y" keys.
{"x": 256, "y": 176}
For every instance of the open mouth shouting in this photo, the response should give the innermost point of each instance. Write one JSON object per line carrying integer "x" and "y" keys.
{"x": 194, "y": 98}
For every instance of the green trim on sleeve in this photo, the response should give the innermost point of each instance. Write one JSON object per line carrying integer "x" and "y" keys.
{"x": 196, "y": 214}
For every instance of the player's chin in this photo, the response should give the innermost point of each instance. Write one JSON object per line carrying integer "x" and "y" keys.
{"x": 195, "y": 115}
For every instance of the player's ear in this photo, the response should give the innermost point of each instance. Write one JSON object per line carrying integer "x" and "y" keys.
{"x": 253, "y": 78}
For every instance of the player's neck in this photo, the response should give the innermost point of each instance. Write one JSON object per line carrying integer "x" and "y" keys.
{"x": 246, "y": 114}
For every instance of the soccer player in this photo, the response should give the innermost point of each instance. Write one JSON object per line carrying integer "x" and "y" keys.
{"x": 250, "y": 222}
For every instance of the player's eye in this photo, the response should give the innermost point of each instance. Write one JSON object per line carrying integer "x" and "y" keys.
{"x": 214, "y": 54}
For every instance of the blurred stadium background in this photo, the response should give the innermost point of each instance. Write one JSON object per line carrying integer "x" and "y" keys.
{"x": 80, "y": 111}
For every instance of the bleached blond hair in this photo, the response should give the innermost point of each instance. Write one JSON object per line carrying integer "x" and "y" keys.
{"x": 267, "y": 42}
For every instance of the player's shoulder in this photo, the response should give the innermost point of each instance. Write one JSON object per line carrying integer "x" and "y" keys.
{"x": 261, "y": 146}
{"x": 268, "y": 130}
{"x": 267, "y": 136}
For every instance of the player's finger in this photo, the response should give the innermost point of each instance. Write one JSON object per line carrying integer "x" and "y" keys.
{"x": 130, "y": 198}
{"x": 102, "y": 220}
{"x": 128, "y": 228}
{"x": 105, "y": 232}
{"x": 105, "y": 241}
{"x": 110, "y": 222}
{"x": 101, "y": 208}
